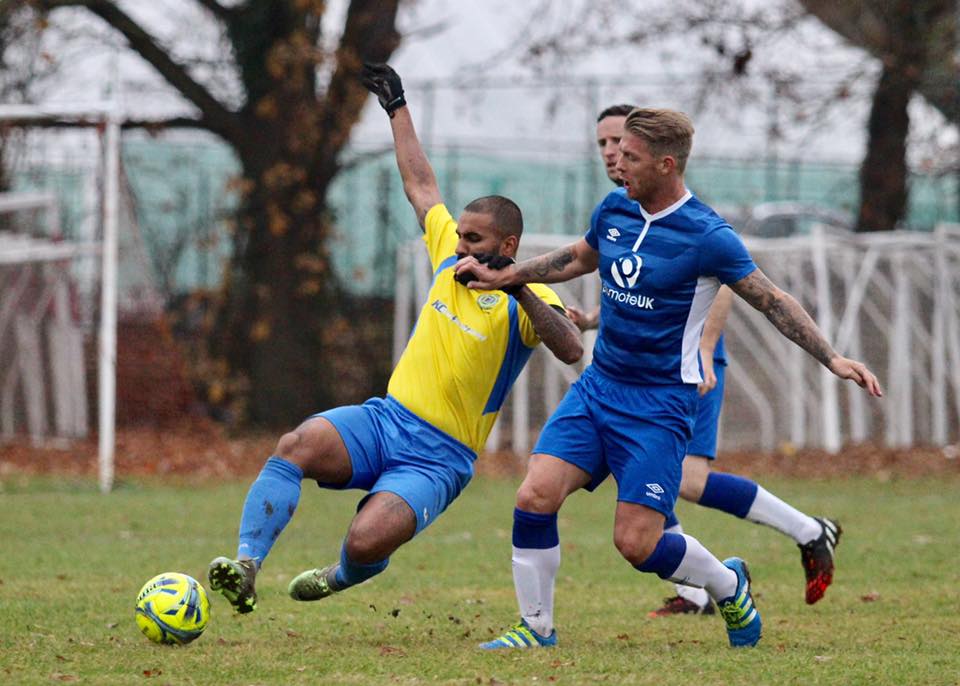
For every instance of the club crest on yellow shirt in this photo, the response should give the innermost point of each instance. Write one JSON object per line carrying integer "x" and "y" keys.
{"x": 488, "y": 301}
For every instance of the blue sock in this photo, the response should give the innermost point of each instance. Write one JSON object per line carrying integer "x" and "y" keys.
{"x": 666, "y": 557}
{"x": 350, "y": 573}
{"x": 532, "y": 530}
{"x": 730, "y": 493}
{"x": 271, "y": 502}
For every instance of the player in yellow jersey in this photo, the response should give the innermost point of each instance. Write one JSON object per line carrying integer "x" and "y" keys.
{"x": 412, "y": 451}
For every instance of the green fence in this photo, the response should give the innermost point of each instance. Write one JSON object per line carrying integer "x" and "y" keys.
{"x": 182, "y": 202}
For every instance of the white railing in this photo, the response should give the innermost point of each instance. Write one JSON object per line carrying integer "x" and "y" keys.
{"x": 890, "y": 299}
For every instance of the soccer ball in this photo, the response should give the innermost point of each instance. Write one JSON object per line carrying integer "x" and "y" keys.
{"x": 172, "y": 608}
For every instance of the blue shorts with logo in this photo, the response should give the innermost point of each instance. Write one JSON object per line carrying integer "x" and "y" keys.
{"x": 707, "y": 424}
{"x": 637, "y": 433}
{"x": 391, "y": 449}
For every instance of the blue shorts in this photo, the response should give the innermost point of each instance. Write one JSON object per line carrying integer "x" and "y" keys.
{"x": 637, "y": 433}
{"x": 391, "y": 449}
{"x": 707, "y": 424}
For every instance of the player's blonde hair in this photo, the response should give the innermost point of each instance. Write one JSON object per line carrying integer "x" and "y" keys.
{"x": 666, "y": 132}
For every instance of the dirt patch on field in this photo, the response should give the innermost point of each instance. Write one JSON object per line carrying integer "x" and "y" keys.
{"x": 204, "y": 451}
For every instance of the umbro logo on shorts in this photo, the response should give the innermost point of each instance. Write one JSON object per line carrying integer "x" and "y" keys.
{"x": 654, "y": 491}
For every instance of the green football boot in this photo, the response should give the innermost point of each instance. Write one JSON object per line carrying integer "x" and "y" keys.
{"x": 314, "y": 584}
{"x": 234, "y": 580}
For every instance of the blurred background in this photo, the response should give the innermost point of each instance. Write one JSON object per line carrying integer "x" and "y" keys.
{"x": 268, "y": 264}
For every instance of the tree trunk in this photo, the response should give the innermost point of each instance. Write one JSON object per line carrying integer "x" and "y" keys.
{"x": 883, "y": 174}
{"x": 282, "y": 305}
{"x": 279, "y": 295}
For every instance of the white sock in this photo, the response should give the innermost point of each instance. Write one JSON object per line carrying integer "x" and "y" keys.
{"x": 769, "y": 510}
{"x": 695, "y": 595}
{"x": 534, "y": 573}
{"x": 700, "y": 568}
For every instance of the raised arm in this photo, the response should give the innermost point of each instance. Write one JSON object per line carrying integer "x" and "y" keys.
{"x": 562, "y": 264}
{"x": 712, "y": 328}
{"x": 558, "y": 333}
{"x": 419, "y": 181}
{"x": 785, "y": 313}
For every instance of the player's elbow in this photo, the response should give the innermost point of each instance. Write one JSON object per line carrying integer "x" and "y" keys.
{"x": 422, "y": 191}
{"x": 571, "y": 352}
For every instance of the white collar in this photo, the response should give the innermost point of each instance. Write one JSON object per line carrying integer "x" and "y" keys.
{"x": 667, "y": 210}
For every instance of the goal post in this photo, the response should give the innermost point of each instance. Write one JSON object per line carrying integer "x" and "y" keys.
{"x": 106, "y": 119}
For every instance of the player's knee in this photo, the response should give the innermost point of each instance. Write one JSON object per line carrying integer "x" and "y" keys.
{"x": 691, "y": 489}
{"x": 694, "y": 479}
{"x": 365, "y": 546}
{"x": 290, "y": 446}
{"x": 636, "y": 545}
{"x": 306, "y": 446}
{"x": 533, "y": 497}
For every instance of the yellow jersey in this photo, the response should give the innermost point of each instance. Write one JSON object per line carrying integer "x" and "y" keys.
{"x": 467, "y": 348}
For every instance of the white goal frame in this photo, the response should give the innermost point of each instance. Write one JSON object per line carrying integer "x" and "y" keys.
{"x": 110, "y": 119}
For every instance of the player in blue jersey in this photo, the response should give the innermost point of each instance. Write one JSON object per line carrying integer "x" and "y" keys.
{"x": 736, "y": 495}
{"x": 662, "y": 256}
{"x": 412, "y": 451}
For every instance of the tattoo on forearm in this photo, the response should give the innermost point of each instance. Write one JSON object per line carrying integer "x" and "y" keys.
{"x": 540, "y": 267}
{"x": 558, "y": 333}
{"x": 786, "y": 314}
{"x": 793, "y": 322}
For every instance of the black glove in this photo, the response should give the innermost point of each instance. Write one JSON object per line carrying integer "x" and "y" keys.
{"x": 384, "y": 82}
{"x": 495, "y": 262}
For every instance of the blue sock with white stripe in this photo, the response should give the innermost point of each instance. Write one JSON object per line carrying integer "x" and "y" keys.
{"x": 730, "y": 493}
{"x": 666, "y": 557}
{"x": 695, "y": 595}
{"x": 350, "y": 573}
{"x": 683, "y": 559}
{"x": 270, "y": 504}
{"x": 536, "y": 559}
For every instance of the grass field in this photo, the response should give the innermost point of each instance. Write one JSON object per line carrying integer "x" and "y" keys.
{"x": 72, "y": 561}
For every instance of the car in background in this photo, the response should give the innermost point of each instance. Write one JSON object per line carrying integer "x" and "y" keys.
{"x": 785, "y": 219}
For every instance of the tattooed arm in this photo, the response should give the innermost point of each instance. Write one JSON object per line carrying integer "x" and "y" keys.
{"x": 562, "y": 264}
{"x": 558, "y": 333}
{"x": 785, "y": 313}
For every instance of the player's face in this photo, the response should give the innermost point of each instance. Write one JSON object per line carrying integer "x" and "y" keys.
{"x": 641, "y": 172}
{"x": 479, "y": 235}
{"x": 609, "y": 131}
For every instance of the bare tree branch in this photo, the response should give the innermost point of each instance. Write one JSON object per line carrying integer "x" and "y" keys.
{"x": 369, "y": 35}
{"x": 864, "y": 25}
{"x": 216, "y": 9}
{"x": 215, "y": 116}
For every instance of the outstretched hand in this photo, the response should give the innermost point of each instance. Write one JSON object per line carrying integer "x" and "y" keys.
{"x": 857, "y": 372}
{"x": 486, "y": 273}
{"x": 384, "y": 82}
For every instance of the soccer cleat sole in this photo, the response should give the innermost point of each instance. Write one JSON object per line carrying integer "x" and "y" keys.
{"x": 819, "y": 570}
{"x": 678, "y": 605}
{"x": 231, "y": 583}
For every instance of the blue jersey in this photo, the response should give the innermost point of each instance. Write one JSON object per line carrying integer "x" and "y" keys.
{"x": 659, "y": 275}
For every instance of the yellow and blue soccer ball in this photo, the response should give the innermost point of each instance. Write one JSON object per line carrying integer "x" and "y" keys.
{"x": 172, "y": 608}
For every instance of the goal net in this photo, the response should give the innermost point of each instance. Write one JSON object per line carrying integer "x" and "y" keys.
{"x": 58, "y": 277}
